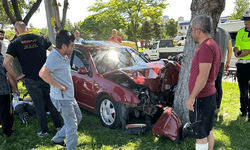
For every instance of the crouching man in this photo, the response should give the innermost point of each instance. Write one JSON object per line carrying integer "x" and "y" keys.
{"x": 204, "y": 69}
{"x": 56, "y": 71}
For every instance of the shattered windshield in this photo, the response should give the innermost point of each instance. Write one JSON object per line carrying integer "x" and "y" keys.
{"x": 107, "y": 60}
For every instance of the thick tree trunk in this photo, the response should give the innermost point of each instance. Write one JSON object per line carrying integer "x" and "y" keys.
{"x": 214, "y": 9}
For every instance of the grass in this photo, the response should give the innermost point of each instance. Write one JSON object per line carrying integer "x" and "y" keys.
{"x": 231, "y": 132}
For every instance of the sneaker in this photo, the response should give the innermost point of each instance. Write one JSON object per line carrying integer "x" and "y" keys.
{"x": 41, "y": 134}
{"x": 58, "y": 129}
{"x": 59, "y": 143}
{"x": 25, "y": 118}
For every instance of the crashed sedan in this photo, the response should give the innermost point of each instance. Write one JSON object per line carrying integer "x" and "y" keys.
{"x": 119, "y": 84}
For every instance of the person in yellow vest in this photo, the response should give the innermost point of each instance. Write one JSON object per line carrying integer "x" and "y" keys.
{"x": 242, "y": 51}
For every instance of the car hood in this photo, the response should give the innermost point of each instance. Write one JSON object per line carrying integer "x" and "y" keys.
{"x": 157, "y": 76}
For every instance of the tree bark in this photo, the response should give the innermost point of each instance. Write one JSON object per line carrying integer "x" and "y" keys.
{"x": 7, "y": 10}
{"x": 58, "y": 24}
{"x": 32, "y": 11}
{"x": 57, "y": 16}
{"x": 213, "y": 8}
{"x": 16, "y": 10}
{"x": 65, "y": 8}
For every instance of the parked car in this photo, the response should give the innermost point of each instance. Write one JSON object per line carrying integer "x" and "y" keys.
{"x": 117, "y": 83}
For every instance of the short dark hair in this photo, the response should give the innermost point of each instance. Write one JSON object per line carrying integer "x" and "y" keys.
{"x": 64, "y": 37}
{"x": 203, "y": 22}
{"x": 2, "y": 31}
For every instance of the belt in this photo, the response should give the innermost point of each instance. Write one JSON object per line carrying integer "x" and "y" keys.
{"x": 243, "y": 61}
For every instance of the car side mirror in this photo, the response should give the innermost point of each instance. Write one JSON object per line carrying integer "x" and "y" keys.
{"x": 83, "y": 70}
{"x": 150, "y": 47}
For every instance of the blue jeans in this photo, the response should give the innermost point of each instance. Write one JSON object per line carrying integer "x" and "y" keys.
{"x": 72, "y": 117}
{"x": 39, "y": 92}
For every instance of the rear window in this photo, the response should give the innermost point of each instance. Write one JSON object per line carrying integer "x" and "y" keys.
{"x": 166, "y": 43}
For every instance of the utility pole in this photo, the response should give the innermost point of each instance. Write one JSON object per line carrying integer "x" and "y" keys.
{"x": 50, "y": 20}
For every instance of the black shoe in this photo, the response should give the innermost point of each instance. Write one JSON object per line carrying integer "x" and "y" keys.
{"x": 59, "y": 143}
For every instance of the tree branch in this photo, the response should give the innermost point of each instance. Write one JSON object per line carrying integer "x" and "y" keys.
{"x": 32, "y": 11}
{"x": 57, "y": 17}
{"x": 8, "y": 12}
{"x": 16, "y": 10}
{"x": 65, "y": 8}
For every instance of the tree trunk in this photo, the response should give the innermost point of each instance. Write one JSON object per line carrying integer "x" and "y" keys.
{"x": 134, "y": 33}
{"x": 32, "y": 11}
{"x": 58, "y": 24}
{"x": 57, "y": 16}
{"x": 213, "y": 8}
{"x": 7, "y": 10}
{"x": 17, "y": 12}
{"x": 65, "y": 8}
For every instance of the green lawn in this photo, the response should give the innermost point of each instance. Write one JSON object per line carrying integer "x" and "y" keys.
{"x": 231, "y": 132}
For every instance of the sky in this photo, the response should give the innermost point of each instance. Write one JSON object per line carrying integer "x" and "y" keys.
{"x": 78, "y": 11}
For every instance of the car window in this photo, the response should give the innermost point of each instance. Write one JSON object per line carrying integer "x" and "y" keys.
{"x": 154, "y": 46}
{"x": 80, "y": 61}
{"x": 113, "y": 59}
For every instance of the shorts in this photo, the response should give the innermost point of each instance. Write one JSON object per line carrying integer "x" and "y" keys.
{"x": 203, "y": 115}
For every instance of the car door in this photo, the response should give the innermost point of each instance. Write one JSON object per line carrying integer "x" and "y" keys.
{"x": 153, "y": 52}
{"x": 83, "y": 83}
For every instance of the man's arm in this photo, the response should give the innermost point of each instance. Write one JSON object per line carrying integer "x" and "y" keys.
{"x": 7, "y": 64}
{"x": 13, "y": 83}
{"x": 44, "y": 73}
{"x": 200, "y": 83}
{"x": 229, "y": 55}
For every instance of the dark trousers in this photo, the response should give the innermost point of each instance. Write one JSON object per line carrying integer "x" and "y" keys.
{"x": 39, "y": 92}
{"x": 6, "y": 117}
{"x": 218, "y": 85}
{"x": 243, "y": 76}
{"x": 24, "y": 107}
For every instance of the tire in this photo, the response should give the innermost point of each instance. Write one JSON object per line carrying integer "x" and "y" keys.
{"x": 108, "y": 112}
{"x": 147, "y": 57}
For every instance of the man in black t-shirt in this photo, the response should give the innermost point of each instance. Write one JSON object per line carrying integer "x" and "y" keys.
{"x": 30, "y": 49}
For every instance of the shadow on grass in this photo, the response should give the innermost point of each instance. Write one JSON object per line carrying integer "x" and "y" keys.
{"x": 236, "y": 131}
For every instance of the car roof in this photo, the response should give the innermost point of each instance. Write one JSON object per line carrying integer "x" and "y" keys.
{"x": 93, "y": 45}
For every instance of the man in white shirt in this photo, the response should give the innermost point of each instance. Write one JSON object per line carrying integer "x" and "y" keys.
{"x": 78, "y": 40}
{"x": 4, "y": 42}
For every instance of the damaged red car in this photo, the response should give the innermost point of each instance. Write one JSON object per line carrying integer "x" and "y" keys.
{"x": 120, "y": 85}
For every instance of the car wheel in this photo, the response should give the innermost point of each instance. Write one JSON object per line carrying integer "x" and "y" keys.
{"x": 108, "y": 112}
{"x": 147, "y": 57}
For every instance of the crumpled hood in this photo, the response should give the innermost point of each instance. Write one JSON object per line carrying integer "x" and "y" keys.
{"x": 150, "y": 75}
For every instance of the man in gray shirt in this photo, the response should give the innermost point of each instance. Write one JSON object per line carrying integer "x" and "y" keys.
{"x": 223, "y": 39}
{"x": 56, "y": 71}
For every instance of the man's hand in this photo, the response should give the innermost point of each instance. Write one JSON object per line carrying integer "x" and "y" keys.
{"x": 227, "y": 66}
{"x": 63, "y": 88}
{"x": 190, "y": 104}
{"x": 21, "y": 77}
